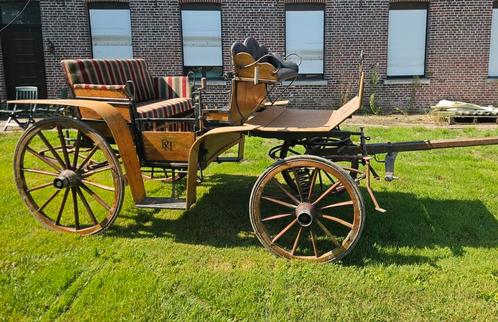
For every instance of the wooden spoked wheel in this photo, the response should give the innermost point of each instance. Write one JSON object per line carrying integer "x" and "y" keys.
{"x": 320, "y": 222}
{"x": 68, "y": 176}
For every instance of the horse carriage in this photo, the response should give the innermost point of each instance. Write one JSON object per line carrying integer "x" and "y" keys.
{"x": 125, "y": 127}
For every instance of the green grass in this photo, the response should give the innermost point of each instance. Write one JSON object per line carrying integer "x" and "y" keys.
{"x": 432, "y": 256}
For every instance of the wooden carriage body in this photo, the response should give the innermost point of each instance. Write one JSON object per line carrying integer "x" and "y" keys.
{"x": 141, "y": 123}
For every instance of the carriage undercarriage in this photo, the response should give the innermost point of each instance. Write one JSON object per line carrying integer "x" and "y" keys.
{"x": 72, "y": 170}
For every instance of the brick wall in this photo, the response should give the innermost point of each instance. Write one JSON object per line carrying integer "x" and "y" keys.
{"x": 457, "y": 51}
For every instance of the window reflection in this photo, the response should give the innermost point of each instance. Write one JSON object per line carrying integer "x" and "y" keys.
{"x": 111, "y": 33}
{"x": 304, "y": 36}
{"x": 493, "y": 50}
{"x": 407, "y": 42}
{"x": 202, "y": 49}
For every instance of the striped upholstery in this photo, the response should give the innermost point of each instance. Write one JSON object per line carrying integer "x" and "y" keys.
{"x": 172, "y": 87}
{"x": 158, "y": 97}
{"x": 166, "y": 108}
{"x": 162, "y": 109}
{"x": 111, "y": 72}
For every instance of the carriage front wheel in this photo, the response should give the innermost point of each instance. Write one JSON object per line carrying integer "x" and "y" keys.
{"x": 68, "y": 176}
{"x": 321, "y": 221}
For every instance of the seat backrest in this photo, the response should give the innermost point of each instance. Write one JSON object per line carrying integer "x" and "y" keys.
{"x": 26, "y": 92}
{"x": 250, "y": 55}
{"x": 111, "y": 72}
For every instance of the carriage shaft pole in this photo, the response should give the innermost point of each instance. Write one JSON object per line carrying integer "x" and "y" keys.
{"x": 379, "y": 148}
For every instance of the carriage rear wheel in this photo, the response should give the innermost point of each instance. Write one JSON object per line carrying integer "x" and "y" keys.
{"x": 320, "y": 222}
{"x": 68, "y": 176}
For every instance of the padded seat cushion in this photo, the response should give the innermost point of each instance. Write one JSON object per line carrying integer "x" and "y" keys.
{"x": 285, "y": 69}
{"x": 167, "y": 108}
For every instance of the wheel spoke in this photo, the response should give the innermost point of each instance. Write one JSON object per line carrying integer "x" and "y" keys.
{"x": 76, "y": 150}
{"x": 328, "y": 176}
{"x": 279, "y": 202}
{"x": 51, "y": 148}
{"x": 338, "y": 220}
{"x": 75, "y": 208}
{"x": 321, "y": 180}
{"x": 87, "y": 158}
{"x": 296, "y": 241}
{"x": 42, "y": 158}
{"x": 61, "y": 209}
{"x": 40, "y": 172}
{"x": 327, "y": 192}
{"x": 312, "y": 183}
{"x": 63, "y": 147}
{"x": 285, "y": 191}
{"x": 49, "y": 200}
{"x": 339, "y": 204}
{"x": 95, "y": 171}
{"x": 45, "y": 185}
{"x": 87, "y": 206}
{"x": 276, "y": 217}
{"x": 313, "y": 242}
{"x": 328, "y": 233}
{"x": 98, "y": 185}
{"x": 96, "y": 197}
{"x": 286, "y": 229}
{"x": 298, "y": 185}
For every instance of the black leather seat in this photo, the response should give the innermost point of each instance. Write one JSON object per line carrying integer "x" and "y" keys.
{"x": 285, "y": 69}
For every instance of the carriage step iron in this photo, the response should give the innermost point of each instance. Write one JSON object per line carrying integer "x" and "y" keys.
{"x": 228, "y": 159}
{"x": 162, "y": 203}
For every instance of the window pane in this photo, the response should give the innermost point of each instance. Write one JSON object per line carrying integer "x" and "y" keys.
{"x": 493, "y": 50}
{"x": 304, "y": 36}
{"x": 111, "y": 33}
{"x": 212, "y": 72}
{"x": 30, "y": 16}
{"x": 202, "y": 38}
{"x": 407, "y": 40}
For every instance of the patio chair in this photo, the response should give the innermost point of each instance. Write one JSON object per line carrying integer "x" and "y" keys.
{"x": 22, "y": 92}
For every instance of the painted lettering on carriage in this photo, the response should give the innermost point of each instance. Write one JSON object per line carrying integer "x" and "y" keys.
{"x": 167, "y": 145}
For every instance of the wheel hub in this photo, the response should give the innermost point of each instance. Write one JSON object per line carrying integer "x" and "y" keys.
{"x": 305, "y": 214}
{"x": 67, "y": 178}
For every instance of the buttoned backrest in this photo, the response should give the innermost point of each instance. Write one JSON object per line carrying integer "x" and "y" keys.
{"x": 111, "y": 72}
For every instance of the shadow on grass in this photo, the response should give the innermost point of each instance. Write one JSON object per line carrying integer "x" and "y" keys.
{"x": 220, "y": 218}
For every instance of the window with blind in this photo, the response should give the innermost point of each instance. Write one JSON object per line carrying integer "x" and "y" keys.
{"x": 110, "y": 27}
{"x": 202, "y": 47}
{"x": 304, "y": 36}
{"x": 407, "y": 39}
{"x": 493, "y": 49}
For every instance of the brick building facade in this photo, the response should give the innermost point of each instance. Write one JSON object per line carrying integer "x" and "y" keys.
{"x": 456, "y": 58}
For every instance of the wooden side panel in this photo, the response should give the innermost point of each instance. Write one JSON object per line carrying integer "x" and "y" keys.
{"x": 167, "y": 146}
{"x": 92, "y": 92}
{"x": 193, "y": 158}
{"x": 213, "y": 115}
{"x": 121, "y": 133}
{"x": 246, "y": 98}
{"x": 89, "y": 114}
{"x": 216, "y": 145}
{"x": 266, "y": 71}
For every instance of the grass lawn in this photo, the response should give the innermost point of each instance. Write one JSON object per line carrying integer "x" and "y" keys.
{"x": 432, "y": 256}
